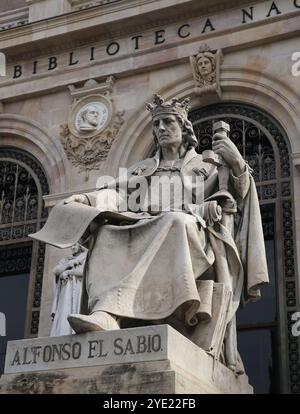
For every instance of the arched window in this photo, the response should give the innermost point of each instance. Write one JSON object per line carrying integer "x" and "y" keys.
{"x": 268, "y": 349}
{"x": 22, "y": 185}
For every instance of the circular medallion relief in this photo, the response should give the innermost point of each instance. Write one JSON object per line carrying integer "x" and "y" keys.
{"x": 90, "y": 115}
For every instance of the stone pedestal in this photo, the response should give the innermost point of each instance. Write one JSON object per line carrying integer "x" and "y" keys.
{"x": 152, "y": 359}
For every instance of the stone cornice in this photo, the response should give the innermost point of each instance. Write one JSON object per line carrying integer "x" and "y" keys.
{"x": 103, "y": 21}
{"x": 85, "y": 4}
{"x": 257, "y": 34}
{"x": 13, "y": 18}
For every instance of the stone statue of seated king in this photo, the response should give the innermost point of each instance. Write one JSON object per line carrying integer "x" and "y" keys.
{"x": 191, "y": 264}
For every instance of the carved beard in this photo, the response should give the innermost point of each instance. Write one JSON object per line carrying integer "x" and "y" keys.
{"x": 93, "y": 122}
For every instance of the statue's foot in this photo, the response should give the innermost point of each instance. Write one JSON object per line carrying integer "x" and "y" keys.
{"x": 97, "y": 321}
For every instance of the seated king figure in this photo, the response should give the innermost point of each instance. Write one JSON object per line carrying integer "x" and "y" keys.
{"x": 149, "y": 269}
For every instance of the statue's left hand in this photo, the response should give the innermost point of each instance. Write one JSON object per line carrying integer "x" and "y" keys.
{"x": 224, "y": 147}
{"x": 80, "y": 198}
{"x": 212, "y": 212}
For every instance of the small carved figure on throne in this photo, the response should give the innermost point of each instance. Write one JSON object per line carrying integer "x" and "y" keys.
{"x": 68, "y": 282}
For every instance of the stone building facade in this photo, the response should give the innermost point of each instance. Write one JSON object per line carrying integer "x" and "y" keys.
{"x": 65, "y": 56}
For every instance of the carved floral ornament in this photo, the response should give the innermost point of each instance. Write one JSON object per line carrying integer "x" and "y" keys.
{"x": 206, "y": 71}
{"x": 92, "y": 127}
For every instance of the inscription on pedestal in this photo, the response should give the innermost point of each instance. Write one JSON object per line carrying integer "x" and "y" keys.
{"x": 95, "y": 348}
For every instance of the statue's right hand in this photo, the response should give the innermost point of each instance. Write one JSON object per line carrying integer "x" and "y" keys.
{"x": 80, "y": 198}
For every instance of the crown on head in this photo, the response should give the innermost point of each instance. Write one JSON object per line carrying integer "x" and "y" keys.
{"x": 174, "y": 107}
{"x": 205, "y": 50}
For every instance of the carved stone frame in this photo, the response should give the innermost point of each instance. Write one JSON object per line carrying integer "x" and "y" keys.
{"x": 87, "y": 150}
